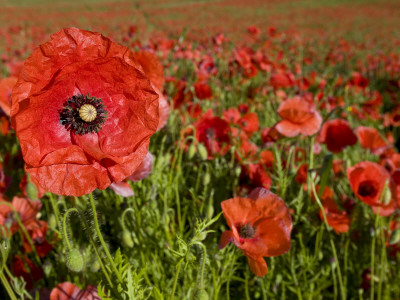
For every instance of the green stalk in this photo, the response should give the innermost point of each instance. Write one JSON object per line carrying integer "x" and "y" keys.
{"x": 7, "y": 286}
{"x": 56, "y": 212}
{"x": 342, "y": 287}
{"x": 373, "y": 256}
{"x": 178, "y": 268}
{"x": 103, "y": 243}
{"x": 65, "y": 226}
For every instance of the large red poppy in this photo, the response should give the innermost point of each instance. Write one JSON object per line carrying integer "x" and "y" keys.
{"x": 83, "y": 112}
{"x": 337, "y": 135}
{"x": 260, "y": 226}
{"x": 298, "y": 117}
{"x": 367, "y": 180}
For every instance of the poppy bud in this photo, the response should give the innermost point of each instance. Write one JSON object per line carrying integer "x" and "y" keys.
{"x": 191, "y": 151}
{"x": 95, "y": 266}
{"x": 210, "y": 210}
{"x": 201, "y": 295}
{"x": 238, "y": 170}
{"x": 74, "y": 260}
{"x": 31, "y": 191}
{"x": 127, "y": 239}
{"x": 394, "y": 237}
{"x": 202, "y": 151}
{"x": 47, "y": 267}
{"x": 52, "y": 221}
{"x": 387, "y": 195}
{"x": 206, "y": 179}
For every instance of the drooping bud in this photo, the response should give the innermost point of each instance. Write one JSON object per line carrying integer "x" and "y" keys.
{"x": 74, "y": 260}
{"x": 202, "y": 151}
{"x": 127, "y": 239}
{"x": 395, "y": 237}
{"x": 191, "y": 151}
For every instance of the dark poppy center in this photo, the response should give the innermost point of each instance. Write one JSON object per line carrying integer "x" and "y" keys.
{"x": 211, "y": 133}
{"x": 247, "y": 231}
{"x": 83, "y": 114}
{"x": 367, "y": 188}
{"x": 396, "y": 118}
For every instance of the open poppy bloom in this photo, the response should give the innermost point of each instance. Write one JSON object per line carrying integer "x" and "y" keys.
{"x": 68, "y": 290}
{"x": 25, "y": 209}
{"x": 371, "y": 139}
{"x": 260, "y": 226}
{"x": 337, "y": 135}
{"x": 368, "y": 180}
{"x": 23, "y": 267}
{"x": 298, "y": 117}
{"x": 214, "y": 133}
{"x": 84, "y": 112}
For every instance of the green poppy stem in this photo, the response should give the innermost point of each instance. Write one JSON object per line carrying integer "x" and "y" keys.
{"x": 7, "y": 286}
{"x": 103, "y": 243}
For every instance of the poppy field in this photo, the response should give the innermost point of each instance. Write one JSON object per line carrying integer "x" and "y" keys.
{"x": 200, "y": 149}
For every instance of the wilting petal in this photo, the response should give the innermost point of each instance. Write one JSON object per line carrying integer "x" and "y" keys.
{"x": 122, "y": 188}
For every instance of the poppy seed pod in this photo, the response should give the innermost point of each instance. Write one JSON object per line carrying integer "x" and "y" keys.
{"x": 74, "y": 260}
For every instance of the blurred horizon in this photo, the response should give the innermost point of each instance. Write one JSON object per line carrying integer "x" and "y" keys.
{"x": 205, "y": 18}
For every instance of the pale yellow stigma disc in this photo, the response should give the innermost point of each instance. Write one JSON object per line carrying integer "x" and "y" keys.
{"x": 87, "y": 112}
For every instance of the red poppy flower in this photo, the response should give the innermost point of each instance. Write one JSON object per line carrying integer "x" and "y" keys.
{"x": 253, "y": 30}
{"x": 37, "y": 230}
{"x": 249, "y": 123}
{"x": 68, "y": 290}
{"x": 4, "y": 124}
{"x": 302, "y": 173}
{"x": 358, "y": 80}
{"x": 232, "y": 115}
{"x": 6, "y": 86}
{"x": 368, "y": 180}
{"x": 260, "y": 226}
{"x": 337, "y": 135}
{"x": 392, "y": 118}
{"x": 26, "y": 210}
{"x": 338, "y": 219}
{"x": 282, "y": 80}
{"x": 4, "y": 181}
{"x": 202, "y": 90}
{"x": 298, "y": 117}
{"x": 214, "y": 133}
{"x": 25, "y": 268}
{"x": 371, "y": 139}
{"x": 83, "y": 112}
{"x": 269, "y": 136}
